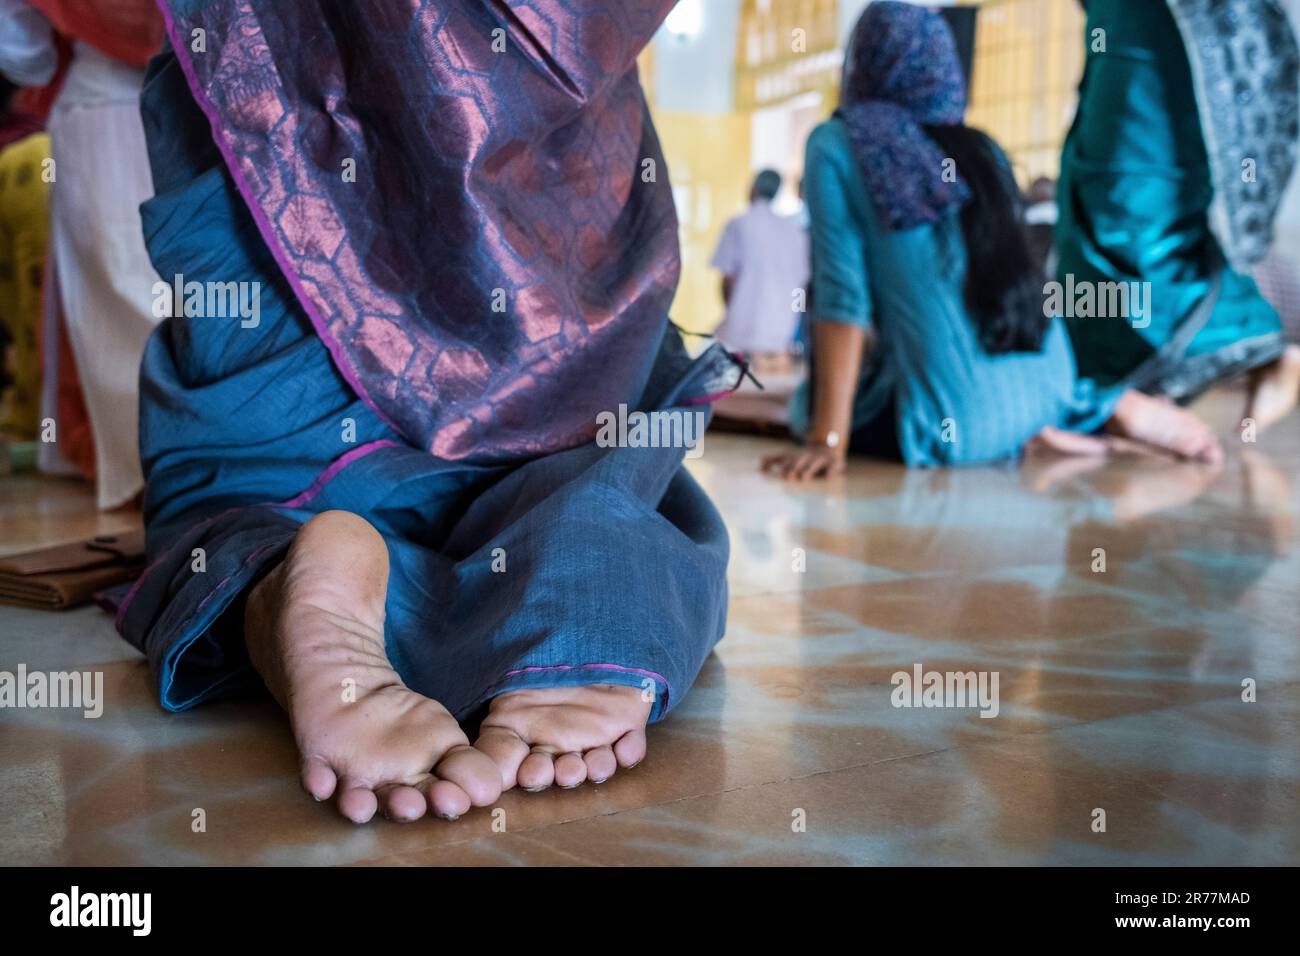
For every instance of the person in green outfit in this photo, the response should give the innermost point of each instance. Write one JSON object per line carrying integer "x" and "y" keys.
{"x": 918, "y": 243}
{"x": 1171, "y": 177}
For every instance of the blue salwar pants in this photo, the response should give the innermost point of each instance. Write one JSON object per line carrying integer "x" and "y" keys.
{"x": 593, "y": 565}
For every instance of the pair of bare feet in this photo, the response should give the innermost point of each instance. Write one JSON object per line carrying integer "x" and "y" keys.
{"x": 1275, "y": 389}
{"x": 1143, "y": 423}
{"x": 314, "y": 628}
{"x": 1140, "y": 424}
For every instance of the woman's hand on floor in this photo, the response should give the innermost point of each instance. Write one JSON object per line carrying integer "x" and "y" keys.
{"x": 805, "y": 463}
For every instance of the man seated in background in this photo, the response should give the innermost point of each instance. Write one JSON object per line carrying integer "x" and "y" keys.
{"x": 763, "y": 257}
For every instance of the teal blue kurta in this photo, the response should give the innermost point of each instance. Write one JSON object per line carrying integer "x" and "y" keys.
{"x": 953, "y": 402}
{"x": 1135, "y": 195}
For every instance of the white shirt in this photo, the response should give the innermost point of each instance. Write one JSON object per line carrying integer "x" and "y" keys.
{"x": 766, "y": 255}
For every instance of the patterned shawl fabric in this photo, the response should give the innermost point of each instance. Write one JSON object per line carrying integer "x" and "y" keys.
{"x": 467, "y": 196}
{"x": 902, "y": 72}
{"x": 1246, "y": 69}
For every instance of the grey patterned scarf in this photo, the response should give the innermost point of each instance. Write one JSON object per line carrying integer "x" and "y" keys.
{"x": 1246, "y": 70}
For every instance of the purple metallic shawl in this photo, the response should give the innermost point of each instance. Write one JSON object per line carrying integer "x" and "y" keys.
{"x": 500, "y": 270}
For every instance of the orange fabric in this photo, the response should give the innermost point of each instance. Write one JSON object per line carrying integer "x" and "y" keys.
{"x": 75, "y": 440}
{"x": 75, "y": 437}
{"x": 127, "y": 30}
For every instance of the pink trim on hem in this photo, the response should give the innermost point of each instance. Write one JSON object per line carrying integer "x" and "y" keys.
{"x": 330, "y": 473}
{"x": 297, "y": 501}
{"x": 710, "y": 398}
{"x": 578, "y": 667}
{"x": 119, "y": 619}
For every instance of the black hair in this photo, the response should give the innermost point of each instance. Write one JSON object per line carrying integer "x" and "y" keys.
{"x": 1004, "y": 284}
{"x": 766, "y": 184}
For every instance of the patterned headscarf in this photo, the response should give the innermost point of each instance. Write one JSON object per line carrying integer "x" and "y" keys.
{"x": 901, "y": 73}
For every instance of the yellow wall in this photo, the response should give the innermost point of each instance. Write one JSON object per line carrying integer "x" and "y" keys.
{"x": 782, "y": 42}
{"x": 709, "y": 155}
{"x": 1028, "y": 59}
{"x": 708, "y": 160}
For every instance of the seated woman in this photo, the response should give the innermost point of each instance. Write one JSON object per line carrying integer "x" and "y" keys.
{"x": 1172, "y": 175}
{"x": 917, "y": 235}
{"x": 417, "y": 260}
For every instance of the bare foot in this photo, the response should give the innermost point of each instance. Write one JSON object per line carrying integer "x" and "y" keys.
{"x": 565, "y": 735}
{"x": 315, "y": 632}
{"x": 1275, "y": 389}
{"x": 1164, "y": 426}
{"x": 1060, "y": 442}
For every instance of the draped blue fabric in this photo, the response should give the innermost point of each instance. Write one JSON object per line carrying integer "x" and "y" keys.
{"x": 590, "y": 564}
{"x": 1135, "y": 199}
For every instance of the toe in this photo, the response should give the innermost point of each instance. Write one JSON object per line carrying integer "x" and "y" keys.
{"x": 1212, "y": 453}
{"x": 537, "y": 772}
{"x": 570, "y": 771}
{"x": 473, "y": 771}
{"x": 630, "y": 748}
{"x": 447, "y": 800}
{"x": 402, "y": 804}
{"x": 318, "y": 778}
{"x": 1200, "y": 444}
{"x": 1069, "y": 443}
{"x": 358, "y": 804}
{"x": 506, "y": 749}
{"x": 601, "y": 764}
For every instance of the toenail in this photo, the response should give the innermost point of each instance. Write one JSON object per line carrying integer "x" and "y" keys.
{"x": 600, "y": 781}
{"x": 448, "y": 817}
{"x": 533, "y": 789}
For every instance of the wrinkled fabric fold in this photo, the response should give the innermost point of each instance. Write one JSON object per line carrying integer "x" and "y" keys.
{"x": 1139, "y": 174}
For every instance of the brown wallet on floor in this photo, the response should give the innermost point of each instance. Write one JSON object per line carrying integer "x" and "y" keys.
{"x": 69, "y": 575}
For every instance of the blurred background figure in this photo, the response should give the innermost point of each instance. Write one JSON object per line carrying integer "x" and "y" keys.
{"x": 102, "y": 280}
{"x": 27, "y": 59}
{"x": 763, "y": 258}
{"x": 1172, "y": 175}
{"x": 76, "y": 287}
{"x": 918, "y": 232}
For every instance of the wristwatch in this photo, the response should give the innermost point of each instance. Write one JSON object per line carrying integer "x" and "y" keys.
{"x": 829, "y": 440}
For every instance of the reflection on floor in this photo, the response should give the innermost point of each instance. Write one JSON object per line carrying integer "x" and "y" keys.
{"x": 1120, "y": 690}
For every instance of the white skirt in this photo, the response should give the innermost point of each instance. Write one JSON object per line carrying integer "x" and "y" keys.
{"x": 104, "y": 278}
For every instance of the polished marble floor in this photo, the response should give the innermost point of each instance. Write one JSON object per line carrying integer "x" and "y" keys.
{"x": 1120, "y": 690}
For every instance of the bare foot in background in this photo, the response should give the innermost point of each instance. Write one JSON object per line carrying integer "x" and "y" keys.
{"x": 1275, "y": 389}
{"x": 1161, "y": 425}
